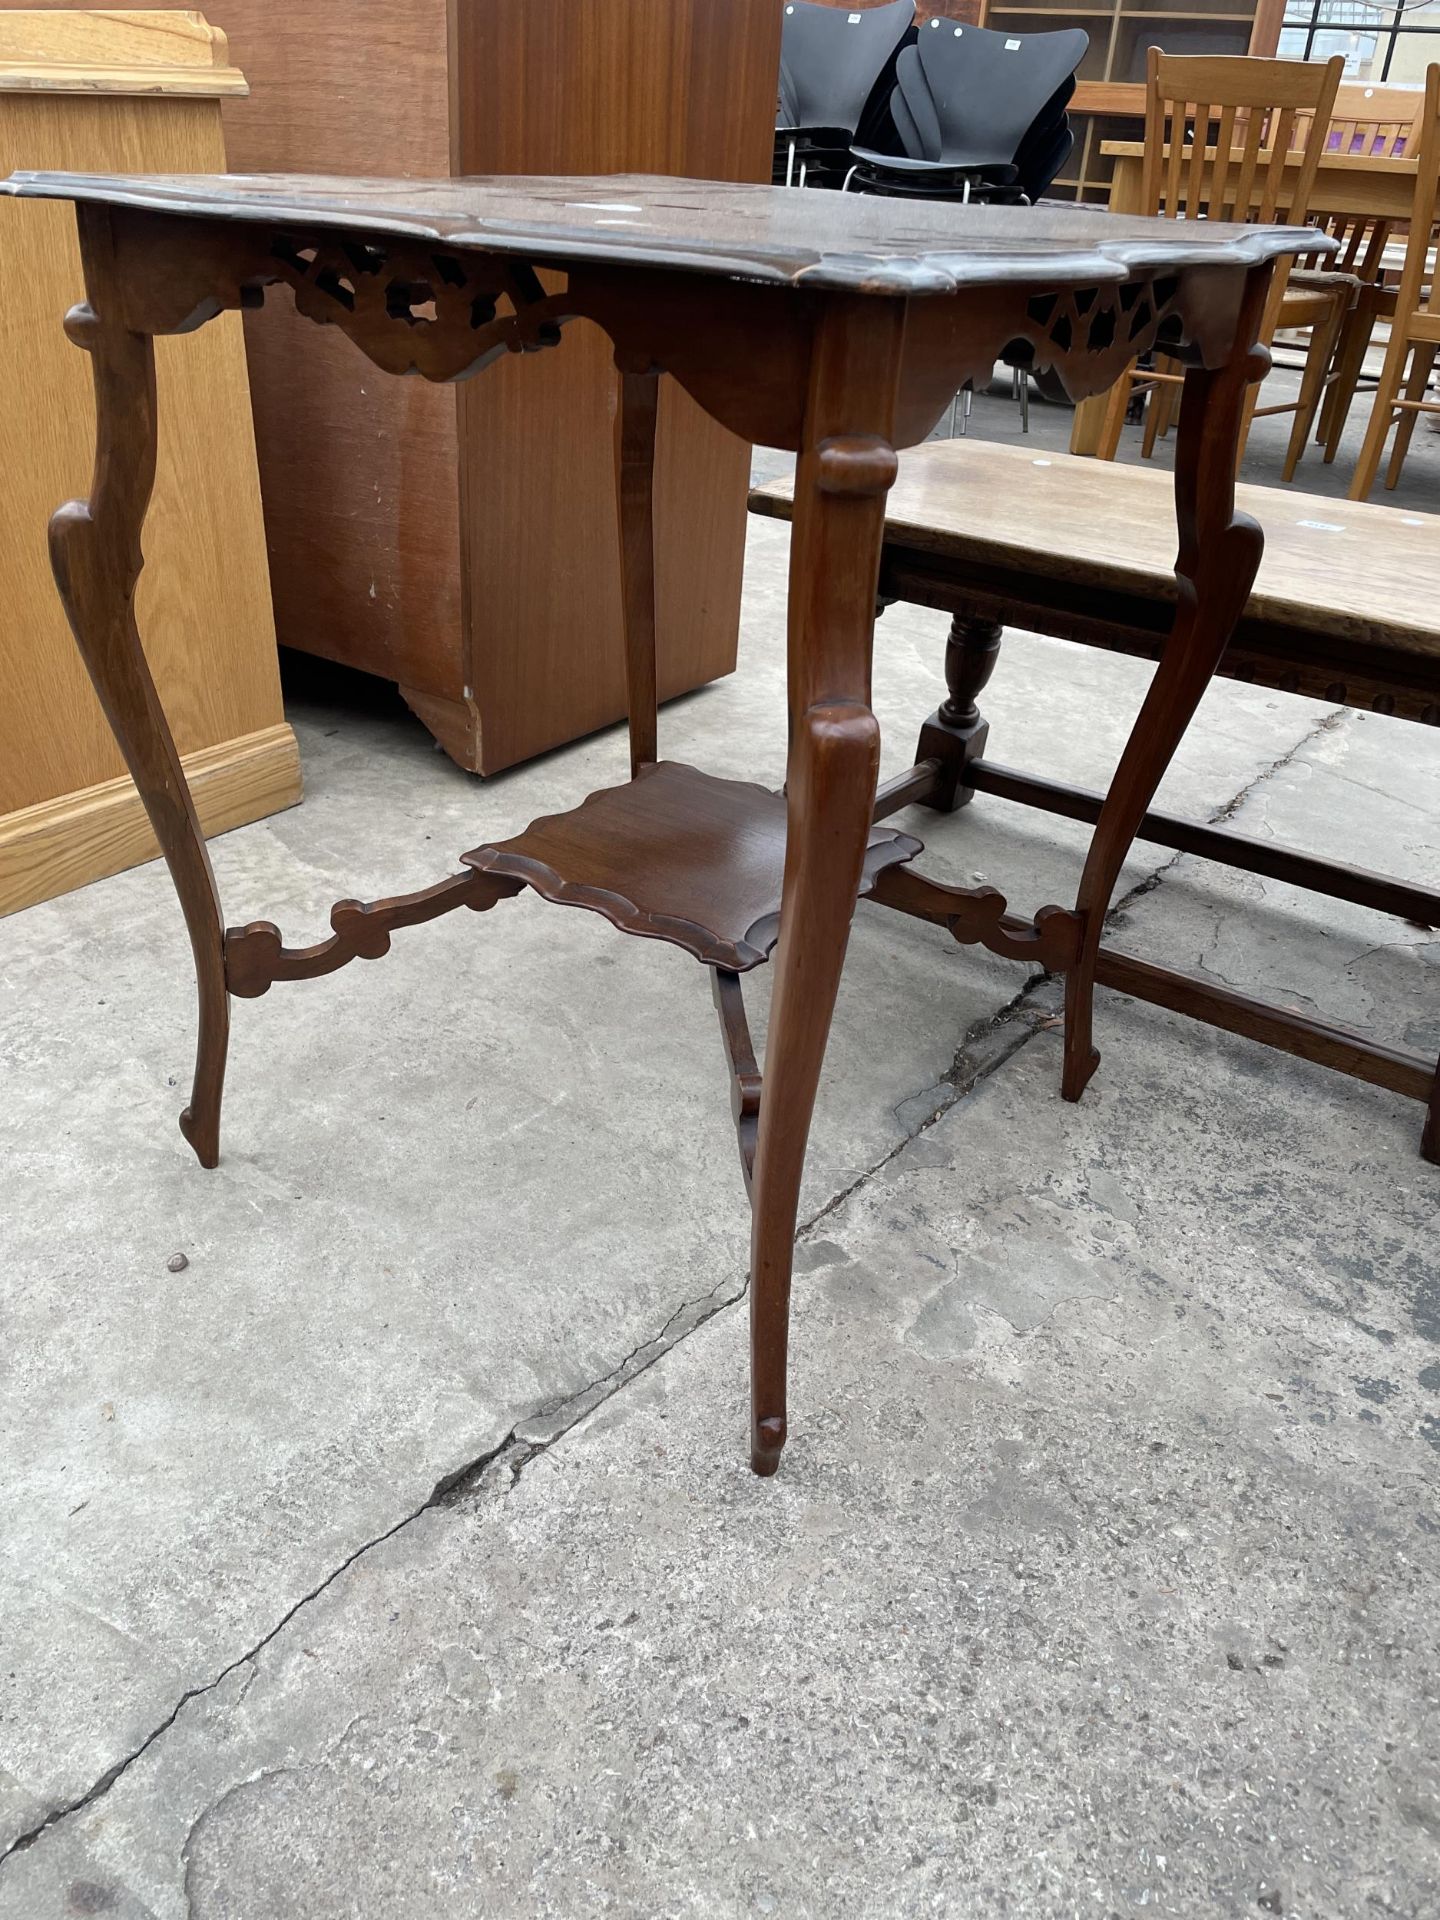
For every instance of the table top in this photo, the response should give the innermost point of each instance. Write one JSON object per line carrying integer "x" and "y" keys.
{"x": 1353, "y": 569}
{"x": 774, "y": 235}
{"x": 1396, "y": 164}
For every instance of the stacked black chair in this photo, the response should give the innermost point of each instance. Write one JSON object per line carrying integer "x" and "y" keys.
{"x": 837, "y": 76}
{"x": 977, "y": 115}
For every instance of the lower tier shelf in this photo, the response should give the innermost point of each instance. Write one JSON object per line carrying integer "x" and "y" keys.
{"x": 675, "y": 855}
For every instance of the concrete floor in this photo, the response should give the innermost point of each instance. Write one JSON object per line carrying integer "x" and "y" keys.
{"x": 399, "y": 1556}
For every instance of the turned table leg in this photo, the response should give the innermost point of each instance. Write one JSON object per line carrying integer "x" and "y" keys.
{"x": 636, "y": 416}
{"x": 956, "y": 734}
{"x": 845, "y": 470}
{"x": 1219, "y": 554}
{"x": 95, "y": 552}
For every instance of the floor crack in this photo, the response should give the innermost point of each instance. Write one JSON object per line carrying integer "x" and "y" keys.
{"x": 1226, "y": 812}
{"x": 985, "y": 1047}
{"x": 122, "y": 1766}
{"x": 510, "y": 1456}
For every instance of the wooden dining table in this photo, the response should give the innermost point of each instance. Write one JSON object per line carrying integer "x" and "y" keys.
{"x": 824, "y": 324}
{"x": 1375, "y": 186}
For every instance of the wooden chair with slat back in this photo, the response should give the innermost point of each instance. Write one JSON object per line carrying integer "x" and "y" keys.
{"x": 1220, "y": 144}
{"x": 1371, "y": 123}
{"x": 1367, "y": 122}
{"x": 1415, "y": 326}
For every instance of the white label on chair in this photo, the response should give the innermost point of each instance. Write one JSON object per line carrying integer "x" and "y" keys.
{"x": 1012, "y": 46}
{"x": 853, "y": 20}
{"x": 1321, "y": 526}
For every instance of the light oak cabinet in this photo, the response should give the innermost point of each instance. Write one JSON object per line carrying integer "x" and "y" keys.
{"x": 122, "y": 92}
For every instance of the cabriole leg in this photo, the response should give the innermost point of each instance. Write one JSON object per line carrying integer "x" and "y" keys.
{"x": 844, "y": 472}
{"x": 95, "y": 551}
{"x": 1215, "y": 569}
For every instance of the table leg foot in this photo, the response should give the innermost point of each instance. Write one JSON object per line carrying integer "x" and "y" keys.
{"x": 200, "y": 1121}
{"x": 1081, "y": 1057}
{"x": 766, "y": 1447}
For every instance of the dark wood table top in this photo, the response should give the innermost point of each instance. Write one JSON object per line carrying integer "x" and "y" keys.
{"x": 775, "y": 235}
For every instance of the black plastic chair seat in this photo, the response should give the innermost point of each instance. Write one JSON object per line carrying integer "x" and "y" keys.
{"x": 901, "y": 164}
{"x": 832, "y": 61}
{"x": 967, "y": 100}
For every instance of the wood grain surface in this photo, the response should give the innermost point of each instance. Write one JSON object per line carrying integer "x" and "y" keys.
{"x": 1335, "y": 566}
{"x": 361, "y": 486}
{"x": 675, "y": 855}
{"x": 47, "y": 849}
{"x": 679, "y": 87}
{"x": 109, "y": 50}
{"x": 824, "y": 242}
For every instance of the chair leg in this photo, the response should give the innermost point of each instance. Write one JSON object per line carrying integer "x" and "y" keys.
{"x": 1116, "y": 405}
{"x": 1252, "y": 400}
{"x": 1160, "y": 408}
{"x": 1218, "y": 558}
{"x": 1414, "y": 390}
{"x": 1312, "y": 383}
{"x": 1355, "y": 338}
{"x": 95, "y": 551}
{"x": 1153, "y": 408}
{"x": 1382, "y": 408}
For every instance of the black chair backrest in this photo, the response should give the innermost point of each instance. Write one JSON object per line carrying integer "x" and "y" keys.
{"x": 831, "y": 61}
{"x": 967, "y": 97}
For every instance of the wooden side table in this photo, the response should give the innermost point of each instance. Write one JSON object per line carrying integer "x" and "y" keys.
{"x": 812, "y": 322}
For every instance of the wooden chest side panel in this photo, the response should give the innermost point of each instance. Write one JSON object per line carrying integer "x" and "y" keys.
{"x": 552, "y": 86}
{"x": 360, "y": 472}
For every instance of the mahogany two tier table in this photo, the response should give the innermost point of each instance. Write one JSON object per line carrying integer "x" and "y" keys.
{"x": 835, "y": 327}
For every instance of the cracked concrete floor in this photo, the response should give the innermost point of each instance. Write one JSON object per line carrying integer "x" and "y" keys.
{"x": 398, "y": 1556}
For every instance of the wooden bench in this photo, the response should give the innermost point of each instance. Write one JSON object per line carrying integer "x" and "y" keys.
{"x": 1345, "y": 609}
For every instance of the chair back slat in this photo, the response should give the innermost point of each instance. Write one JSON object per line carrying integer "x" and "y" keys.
{"x": 1221, "y": 198}
{"x": 1249, "y": 163}
{"x": 1199, "y": 148}
{"x": 1278, "y": 134}
{"x": 1235, "y": 138}
{"x": 1373, "y": 121}
{"x": 1412, "y": 296}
